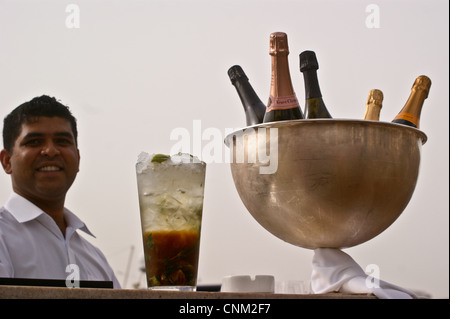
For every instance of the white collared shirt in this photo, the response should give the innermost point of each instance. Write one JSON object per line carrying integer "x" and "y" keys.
{"x": 32, "y": 245}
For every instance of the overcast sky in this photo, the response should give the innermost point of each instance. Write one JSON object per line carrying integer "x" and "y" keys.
{"x": 133, "y": 71}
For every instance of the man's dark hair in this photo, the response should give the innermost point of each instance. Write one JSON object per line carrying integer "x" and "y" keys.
{"x": 29, "y": 111}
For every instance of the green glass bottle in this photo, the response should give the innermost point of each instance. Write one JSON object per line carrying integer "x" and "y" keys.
{"x": 254, "y": 108}
{"x": 314, "y": 104}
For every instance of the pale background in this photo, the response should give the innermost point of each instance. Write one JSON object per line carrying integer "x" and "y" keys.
{"x": 133, "y": 71}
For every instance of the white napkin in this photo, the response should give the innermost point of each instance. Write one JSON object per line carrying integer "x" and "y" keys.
{"x": 333, "y": 271}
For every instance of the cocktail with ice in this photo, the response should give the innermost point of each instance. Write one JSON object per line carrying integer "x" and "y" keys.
{"x": 171, "y": 192}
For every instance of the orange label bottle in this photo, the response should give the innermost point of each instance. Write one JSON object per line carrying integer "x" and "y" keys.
{"x": 410, "y": 113}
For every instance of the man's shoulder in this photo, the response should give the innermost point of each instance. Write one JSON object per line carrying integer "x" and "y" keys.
{"x": 8, "y": 224}
{"x": 6, "y": 216}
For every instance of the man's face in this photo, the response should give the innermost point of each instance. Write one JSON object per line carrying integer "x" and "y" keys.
{"x": 44, "y": 161}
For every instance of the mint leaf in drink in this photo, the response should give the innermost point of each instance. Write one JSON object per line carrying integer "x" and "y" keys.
{"x": 160, "y": 158}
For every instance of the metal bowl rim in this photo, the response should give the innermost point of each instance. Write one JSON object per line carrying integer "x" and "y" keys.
{"x": 278, "y": 124}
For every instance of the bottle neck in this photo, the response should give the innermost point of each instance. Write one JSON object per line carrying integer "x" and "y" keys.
{"x": 415, "y": 102}
{"x": 410, "y": 113}
{"x": 246, "y": 92}
{"x": 372, "y": 112}
{"x": 312, "y": 88}
{"x": 281, "y": 84}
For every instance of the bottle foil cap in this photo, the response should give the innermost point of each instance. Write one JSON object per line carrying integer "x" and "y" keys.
{"x": 278, "y": 43}
{"x": 235, "y": 73}
{"x": 375, "y": 97}
{"x": 422, "y": 82}
{"x": 308, "y": 61}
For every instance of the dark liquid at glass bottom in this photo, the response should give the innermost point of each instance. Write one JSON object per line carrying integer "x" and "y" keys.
{"x": 171, "y": 257}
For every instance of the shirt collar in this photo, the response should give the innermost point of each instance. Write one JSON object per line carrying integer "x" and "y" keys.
{"x": 23, "y": 211}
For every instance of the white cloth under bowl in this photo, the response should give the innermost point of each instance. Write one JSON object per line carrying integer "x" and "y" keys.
{"x": 335, "y": 271}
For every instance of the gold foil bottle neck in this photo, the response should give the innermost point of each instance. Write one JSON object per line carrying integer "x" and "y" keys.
{"x": 422, "y": 83}
{"x": 373, "y": 105}
{"x": 278, "y": 43}
{"x": 375, "y": 98}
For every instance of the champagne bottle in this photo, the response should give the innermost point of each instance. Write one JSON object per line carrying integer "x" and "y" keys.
{"x": 283, "y": 104}
{"x": 254, "y": 108}
{"x": 410, "y": 113}
{"x": 373, "y": 105}
{"x": 314, "y": 104}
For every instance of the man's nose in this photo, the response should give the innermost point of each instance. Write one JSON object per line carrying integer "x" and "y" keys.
{"x": 50, "y": 149}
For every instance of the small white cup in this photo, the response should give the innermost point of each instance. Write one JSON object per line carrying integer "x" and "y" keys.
{"x": 244, "y": 283}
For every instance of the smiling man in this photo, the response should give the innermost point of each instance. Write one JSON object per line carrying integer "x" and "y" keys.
{"x": 38, "y": 235}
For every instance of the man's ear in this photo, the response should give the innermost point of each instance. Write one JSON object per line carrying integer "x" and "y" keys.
{"x": 5, "y": 159}
{"x": 78, "y": 151}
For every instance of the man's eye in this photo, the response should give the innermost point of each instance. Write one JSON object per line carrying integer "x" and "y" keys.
{"x": 32, "y": 142}
{"x": 64, "y": 141}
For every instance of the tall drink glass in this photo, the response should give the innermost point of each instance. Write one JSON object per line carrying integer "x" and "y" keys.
{"x": 171, "y": 190}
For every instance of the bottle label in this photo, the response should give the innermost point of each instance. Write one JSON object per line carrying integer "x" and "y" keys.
{"x": 282, "y": 103}
{"x": 409, "y": 117}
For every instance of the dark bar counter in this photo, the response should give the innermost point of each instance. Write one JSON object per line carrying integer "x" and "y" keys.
{"x": 27, "y": 292}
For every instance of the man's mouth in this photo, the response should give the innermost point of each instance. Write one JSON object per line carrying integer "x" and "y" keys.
{"x": 49, "y": 168}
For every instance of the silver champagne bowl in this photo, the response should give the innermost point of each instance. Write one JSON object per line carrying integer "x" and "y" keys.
{"x": 325, "y": 183}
